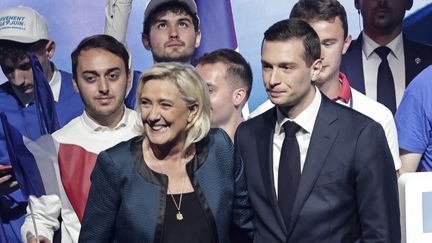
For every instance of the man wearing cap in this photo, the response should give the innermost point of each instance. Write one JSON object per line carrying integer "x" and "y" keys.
{"x": 171, "y": 30}
{"x": 24, "y": 31}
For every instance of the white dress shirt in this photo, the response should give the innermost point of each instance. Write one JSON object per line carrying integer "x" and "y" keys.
{"x": 306, "y": 120}
{"x": 371, "y": 62}
{"x": 86, "y": 133}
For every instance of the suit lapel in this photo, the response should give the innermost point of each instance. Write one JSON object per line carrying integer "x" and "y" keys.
{"x": 265, "y": 144}
{"x": 321, "y": 142}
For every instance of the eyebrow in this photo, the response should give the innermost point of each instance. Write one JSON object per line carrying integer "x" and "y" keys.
{"x": 97, "y": 73}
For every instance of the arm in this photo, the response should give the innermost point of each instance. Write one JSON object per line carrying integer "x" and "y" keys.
{"x": 376, "y": 187}
{"x": 103, "y": 201}
{"x": 392, "y": 139}
{"x": 116, "y": 18}
{"x": 410, "y": 161}
{"x": 242, "y": 209}
{"x": 46, "y": 211}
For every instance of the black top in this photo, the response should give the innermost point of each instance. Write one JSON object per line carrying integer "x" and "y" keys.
{"x": 193, "y": 228}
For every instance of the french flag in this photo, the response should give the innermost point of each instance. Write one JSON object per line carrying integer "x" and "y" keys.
{"x": 44, "y": 167}
{"x": 217, "y": 26}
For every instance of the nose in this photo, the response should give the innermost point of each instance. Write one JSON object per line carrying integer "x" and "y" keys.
{"x": 173, "y": 32}
{"x": 274, "y": 79}
{"x": 20, "y": 77}
{"x": 103, "y": 86}
{"x": 154, "y": 114}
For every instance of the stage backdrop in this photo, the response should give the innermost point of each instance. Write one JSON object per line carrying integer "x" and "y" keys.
{"x": 72, "y": 20}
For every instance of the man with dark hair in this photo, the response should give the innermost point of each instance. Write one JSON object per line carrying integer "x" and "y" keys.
{"x": 101, "y": 76}
{"x": 317, "y": 171}
{"x": 382, "y": 61}
{"x": 170, "y": 30}
{"x": 24, "y": 31}
{"x": 229, "y": 79}
{"x": 328, "y": 19}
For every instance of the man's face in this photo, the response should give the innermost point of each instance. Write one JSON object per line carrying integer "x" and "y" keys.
{"x": 20, "y": 74}
{"x": 384, "y": 15}
{"x": 172, "y": 37}
{"x": 102, "y": 83}
{"x": 287, "y": 78}
{"x": 333, "y": 46}
{"x": 221, "y": 93}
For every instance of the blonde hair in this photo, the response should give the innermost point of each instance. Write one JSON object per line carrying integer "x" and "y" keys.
{"x": 192, "y": 89}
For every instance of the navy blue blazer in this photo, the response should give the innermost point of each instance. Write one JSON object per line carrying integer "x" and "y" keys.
{"x": 348, "y": 189}
{"x": 417, "y": 57}
{"x": 127, "y": 200}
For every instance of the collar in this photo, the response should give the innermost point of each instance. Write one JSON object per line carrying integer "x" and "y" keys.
{"x": 396, "y": 46}
{"x": 98, "y": 128}
{"x": 306, "y": 119}
{"x": 345, "y": 90}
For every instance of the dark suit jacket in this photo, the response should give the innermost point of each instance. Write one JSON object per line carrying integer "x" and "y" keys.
{"x": 127, "y": 200}
{"x": 417, "y": 57}
{"x": 348, "y": 188}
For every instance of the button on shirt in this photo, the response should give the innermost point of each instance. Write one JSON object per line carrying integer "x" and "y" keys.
{"x": 371, "y": 62}
{"x": 306, "y": 120}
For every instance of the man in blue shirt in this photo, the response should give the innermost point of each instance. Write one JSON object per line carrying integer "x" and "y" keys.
{"x": 22, "y": 32}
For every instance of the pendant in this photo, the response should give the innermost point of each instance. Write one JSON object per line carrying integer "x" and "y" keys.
{"x": 179, "y": 216}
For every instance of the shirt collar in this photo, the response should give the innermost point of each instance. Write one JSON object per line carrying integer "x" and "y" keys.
{"x": 345, "y": 90}
{"x": 396, "y": 46}
{"x": 306, "y": 119}
{"x": 99, "y": 128}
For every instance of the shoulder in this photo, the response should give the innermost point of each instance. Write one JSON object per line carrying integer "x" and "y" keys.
{"x": 371, "y": 108}
{"x": 414, "y": 45}
{"x": 69, "y": 129}
{"x": 219, "y": 139}
{"x": 422, "y": 80}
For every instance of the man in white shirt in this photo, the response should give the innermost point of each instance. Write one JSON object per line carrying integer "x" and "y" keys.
{"x": 101, "y": 76}
{"x": 383, "y": 23}
{"x": 328, "y": 19}
{"x": 317, "y": 171}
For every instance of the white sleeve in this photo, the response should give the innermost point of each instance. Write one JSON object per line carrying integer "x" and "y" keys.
{"x": 46, "y": 211}
{"x": 116, "y": 18}
{"x": 392, "y": 139}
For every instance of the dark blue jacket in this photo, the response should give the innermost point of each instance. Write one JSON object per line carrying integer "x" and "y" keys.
{"x": 127, "y": 200}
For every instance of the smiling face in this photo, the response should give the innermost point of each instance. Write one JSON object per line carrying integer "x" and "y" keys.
{"x": 287, "y": 78}
{"x": 165, "y": 114}
{"x": 102, "y": 83}
{"x": 172, "y": 37}
{"x": 333, "y": 46}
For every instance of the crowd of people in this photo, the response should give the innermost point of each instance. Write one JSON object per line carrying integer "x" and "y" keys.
{"x": 176, "y": 159}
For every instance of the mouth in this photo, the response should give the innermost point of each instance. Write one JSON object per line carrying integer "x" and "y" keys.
{"x": 104, "y": 100}
{"x": 174, "y": 44}
{"x": 157, "y": 128}
{"x": 275, "y": 93}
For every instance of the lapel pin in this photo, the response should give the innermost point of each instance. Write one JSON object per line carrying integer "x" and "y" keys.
{"x": 417, "y": 60}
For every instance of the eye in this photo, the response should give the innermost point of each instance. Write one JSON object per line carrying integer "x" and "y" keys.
{"x": 328, "y": 43}
{"x": 145, "y": 102}
{"x": 90, "y": 78}
{"x": 161, "y": 26}
{"x": 166, "y": 105}
{"x": 266, "y": 67}
{"x": 113, "y": 76}
{"x": 183, "y": 24}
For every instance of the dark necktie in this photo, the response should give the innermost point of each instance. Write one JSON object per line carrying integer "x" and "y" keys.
{"x": 385, "y": 82}
{"x": 289, "y": 170}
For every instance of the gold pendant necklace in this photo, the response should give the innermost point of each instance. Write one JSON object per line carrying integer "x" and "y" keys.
{"x": 179, "y": 215}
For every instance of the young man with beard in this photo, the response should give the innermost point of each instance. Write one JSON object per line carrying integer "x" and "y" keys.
{"x": 170, "y": 31}
{"x": 101, "y": 76}
{"x": 229, "y": 79}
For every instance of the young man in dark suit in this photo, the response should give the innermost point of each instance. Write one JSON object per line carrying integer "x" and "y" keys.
{"x": 331, "y": 177}
{"x": 382, "y": 23}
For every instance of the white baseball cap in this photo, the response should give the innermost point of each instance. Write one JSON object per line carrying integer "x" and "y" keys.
{"x": 22, "y": 24}
{"x": 153, "y": 4}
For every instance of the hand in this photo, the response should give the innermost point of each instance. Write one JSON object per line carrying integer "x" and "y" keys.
{"x": 42, "y": 239}
{"x": 7, "y": 184}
